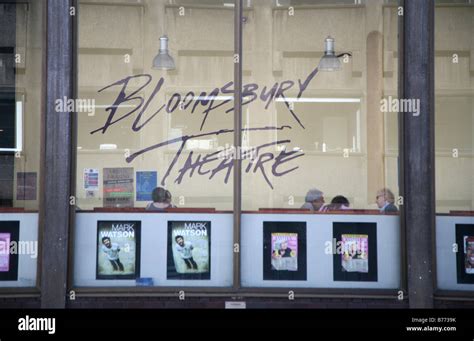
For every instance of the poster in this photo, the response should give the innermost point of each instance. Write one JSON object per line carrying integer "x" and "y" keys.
{"x": 91, "y": 179}
{"x": 118, "y": 249}
{"x": 26, "y": 186}
{"x": 146, "y": 183}
{"x": 468, "y": 254}
{"x": 465, "y": 254}
{"x": 189, "y": 250}
{"x": 9, "y": 236}
{"x": 118, "y": 187}
{"x": 284, "y": 250}
{"x": 355, "y": 250}
{"x": 355, "y": 257}
{"x": 5, "y": 239}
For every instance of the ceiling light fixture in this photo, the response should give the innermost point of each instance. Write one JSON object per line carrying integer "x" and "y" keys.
{"x": 330, "y": 61}
{"x": 163, "y": 60}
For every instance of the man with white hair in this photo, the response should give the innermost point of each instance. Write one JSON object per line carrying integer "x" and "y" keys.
{"x": 314, "y": 200}
{"x": 386, "y": 201}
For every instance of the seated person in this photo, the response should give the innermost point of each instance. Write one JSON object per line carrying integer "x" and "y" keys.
{"x": 385, "y": 201}
{"x": 161, "y": 200}
{"x": 314, "y": 200}
{"x": 339, "y": 202}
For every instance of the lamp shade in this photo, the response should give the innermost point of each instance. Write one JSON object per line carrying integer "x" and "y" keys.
{"x": 163, "y": 60}
{"x": 329, "y": 62}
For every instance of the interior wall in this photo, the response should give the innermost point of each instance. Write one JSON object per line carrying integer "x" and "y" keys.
{"x": 454, "y": 83}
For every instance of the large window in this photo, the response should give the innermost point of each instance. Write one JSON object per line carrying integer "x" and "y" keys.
{"x": 160, "y": 89}
{"x": 21, "y": 103}
{"x": 454, "y": 145}
{"x": 155, "y": 153}
{"x": 138, "y": 107}
{"x": 323, "y": 148}
{"x": 322, "y": 129}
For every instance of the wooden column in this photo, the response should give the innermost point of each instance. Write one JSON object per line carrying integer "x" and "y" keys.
{"x": 418, "y": 150}
{"x": 57, "y": 155}
{"x": 237, "y": 136}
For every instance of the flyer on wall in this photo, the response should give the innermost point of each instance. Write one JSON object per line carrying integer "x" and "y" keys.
{"x": 118, "y": 187}
{"x": 146, "y": 183}
{"x": 118, "y": 249}
{"x": 91, "y": 179}
{"x": 189, "y": 250}
{"x": 26, "y": 185}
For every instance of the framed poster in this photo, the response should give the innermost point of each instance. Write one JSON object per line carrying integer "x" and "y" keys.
{"x": 9, "y": 236}
{"x": 465, "y": 254}
{"x": 118, "y": 249}
{"x": 355, "y": 258}
{"x": 284, "y": 250}
{"x": 146, "y": 183}
{"x": 118, "y": 187}
{"x": 189, "y": 250}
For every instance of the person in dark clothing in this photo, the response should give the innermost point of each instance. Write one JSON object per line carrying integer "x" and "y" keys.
{"x": 161, "y": 200}
{"x": 339, "y": 202}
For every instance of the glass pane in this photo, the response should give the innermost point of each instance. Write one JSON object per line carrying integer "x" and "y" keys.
{"x": 322, "y": 138}
{"x": 21, "y": 102}
{"x": 454, "y": 109}
{"x": 136, "y": 108}
{"x": 454, "y": 145}
{"x": 161, "y": 95}
{"x": 326, "y": 129}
